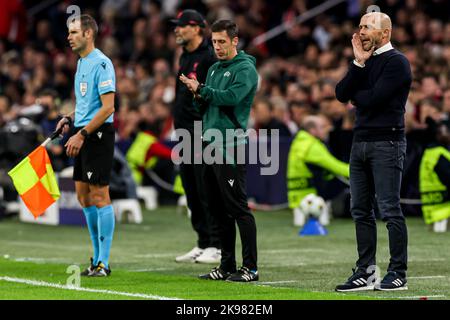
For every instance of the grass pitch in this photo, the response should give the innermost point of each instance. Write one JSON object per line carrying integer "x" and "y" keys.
{"x": 34, "y": 260}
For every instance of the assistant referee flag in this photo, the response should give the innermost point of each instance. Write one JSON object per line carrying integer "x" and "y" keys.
{"x": 35, "y": 181}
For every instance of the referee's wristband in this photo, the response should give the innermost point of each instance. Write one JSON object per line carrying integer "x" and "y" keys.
{"x": 84, "y": 133}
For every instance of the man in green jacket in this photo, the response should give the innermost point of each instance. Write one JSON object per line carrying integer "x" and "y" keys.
{"x": 311, "y": 167}
{"x": 226, "y": 99}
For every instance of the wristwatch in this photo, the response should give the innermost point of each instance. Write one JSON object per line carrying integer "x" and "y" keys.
{"x": 199, "y": 87}
{"x": 84, "y": 133}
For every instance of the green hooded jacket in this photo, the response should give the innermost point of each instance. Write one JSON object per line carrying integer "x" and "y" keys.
{"x": 228, "y": 95}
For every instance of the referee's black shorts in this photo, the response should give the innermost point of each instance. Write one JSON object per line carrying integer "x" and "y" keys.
{"x": 94, "y": 162}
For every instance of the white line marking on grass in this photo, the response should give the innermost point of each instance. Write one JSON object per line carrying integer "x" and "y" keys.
{"x": 65, "y": 287}
{"x": 31, "y": 244}
{"x": 151, "y": 269}
{"x": 427, "y": 277}
{"x": 389, "y": 297}
{"x": 157, "y": 255}
{"x": 307, "y": 250}
{"x": 426, "y": 260}
{"x": 43, "y": 260}
{"x": 279, "y": 282}
{"x": 277, "y": 265}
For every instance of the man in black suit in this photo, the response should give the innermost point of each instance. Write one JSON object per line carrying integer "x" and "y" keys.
{"x": 198, "y": 55}
{"x": 377, "y": 84}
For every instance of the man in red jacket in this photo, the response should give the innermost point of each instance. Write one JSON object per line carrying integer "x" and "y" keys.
{"x": 13, "y": 18}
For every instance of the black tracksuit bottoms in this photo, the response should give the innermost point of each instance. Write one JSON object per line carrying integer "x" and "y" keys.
{"x": 225, "y": 187}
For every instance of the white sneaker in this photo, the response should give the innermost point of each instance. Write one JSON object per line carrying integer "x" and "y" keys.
{"x": 299, "y": 217}
{"x": 190, "y": 256}
{"x": 209, "y": 255}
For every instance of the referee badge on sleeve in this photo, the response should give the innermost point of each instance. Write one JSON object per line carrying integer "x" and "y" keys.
{"x": 83, "y": 88}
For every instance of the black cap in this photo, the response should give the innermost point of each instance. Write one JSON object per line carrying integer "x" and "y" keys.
{"x": 189, "y": 17}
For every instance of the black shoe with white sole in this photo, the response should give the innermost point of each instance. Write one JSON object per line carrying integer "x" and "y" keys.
{"x": 89, "y": 270}
{"x": 357, "y": 282}
{"x": 244, "y": 274}
{"x": 101, "y": 271}
{"x": 215, "y": 274}
{"x": 392, "y": 281}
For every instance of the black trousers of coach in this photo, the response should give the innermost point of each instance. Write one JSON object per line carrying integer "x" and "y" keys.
{"x": 375, "y": 175}
{"x": 204, "y": 223}
{"x": 225, "y": 188}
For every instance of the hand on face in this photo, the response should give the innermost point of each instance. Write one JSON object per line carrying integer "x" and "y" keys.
{"x": 362, "y": 49}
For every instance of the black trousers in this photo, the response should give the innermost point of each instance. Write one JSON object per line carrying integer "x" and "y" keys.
{"x": 203, "y": 222}
{"x": 225, "y": 188}
{"x": 375, "y": 176}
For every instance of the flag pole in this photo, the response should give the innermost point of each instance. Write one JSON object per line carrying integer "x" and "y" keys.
{"x": 56, "y": 133}
{"x": 46, "y": 142}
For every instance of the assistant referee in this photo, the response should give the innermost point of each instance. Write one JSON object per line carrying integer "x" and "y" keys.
{"x": 92, "y": 144}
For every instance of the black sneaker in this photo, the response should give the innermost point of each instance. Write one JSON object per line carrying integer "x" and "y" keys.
{"x": 101, "y": 271}
{"x": 244, "y": 274}
{"x": 392, "y": 281}
{"x": 357, "y": 282}
{"x": 89, "y": 270}
{"x": 216, "y": 274}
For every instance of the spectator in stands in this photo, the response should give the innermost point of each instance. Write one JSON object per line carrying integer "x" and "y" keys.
{"x": 446, "y": 103}
{"x": 428, "y": 108}
{"x": 13, "y": 21}
{"x": 48, "y": 100}
{"x": 4, "y": 110}
{"x": 430, "y": 87}
{"x": 263, "y": 115}
{"x": 334, "y": 110}
{"x": 298, "y": 111}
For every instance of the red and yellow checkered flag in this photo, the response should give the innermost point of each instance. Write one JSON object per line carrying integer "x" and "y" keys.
{"x": 35, "y": 181}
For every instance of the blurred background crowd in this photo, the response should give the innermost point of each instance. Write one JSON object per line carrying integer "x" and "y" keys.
{"x": 298, "y": 69}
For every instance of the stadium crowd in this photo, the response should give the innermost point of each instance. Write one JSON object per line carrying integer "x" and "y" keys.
{"x": 298, "y": 69}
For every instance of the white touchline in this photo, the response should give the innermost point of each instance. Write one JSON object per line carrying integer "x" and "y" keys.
{"x": 151, "y": 269}
{"x": 427, "y": 260}
{"x": 156, "y": 255}
{"x": 288, "y": 251}
{"x": 392, "y": 297}
{"x": 277, "y": 265}
{"x": 279, "y": 282}
{"x": 41, "y": 245}
{"x": 43, "y": 260}
{"x": 427, "y": 277}
{"x": 65, "y": 287}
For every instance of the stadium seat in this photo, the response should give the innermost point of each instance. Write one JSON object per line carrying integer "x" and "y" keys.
{"x": 130, "y": 206}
